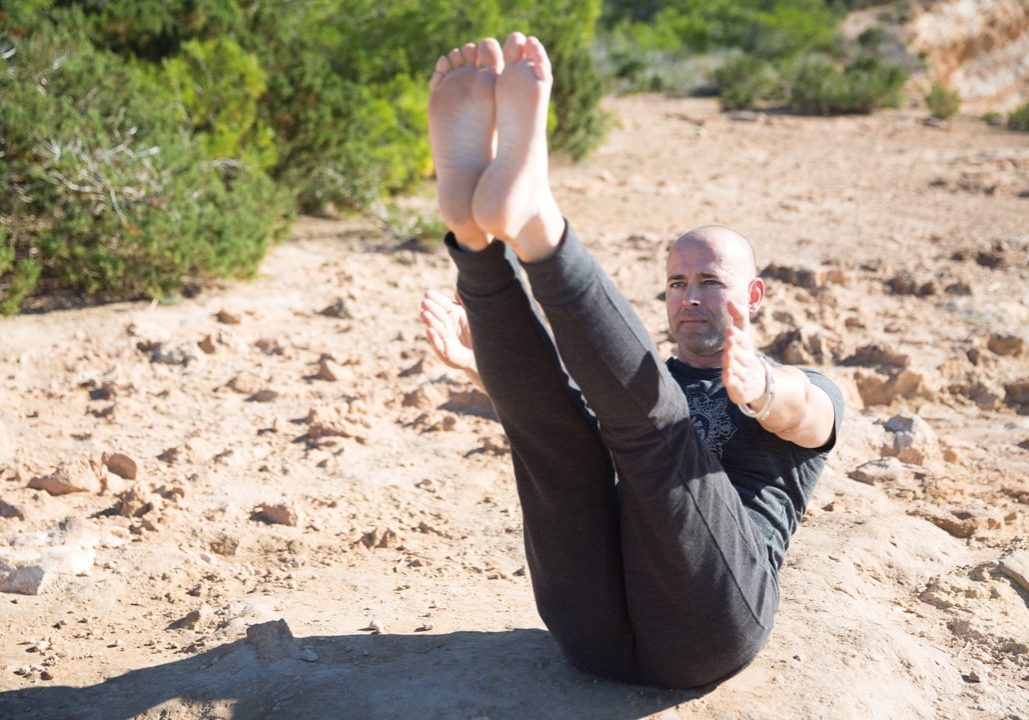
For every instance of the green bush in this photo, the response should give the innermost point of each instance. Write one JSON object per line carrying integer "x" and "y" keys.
{"x": 104, "y": 194}
{"x": 747, "y": 82}
{"x": 149, "y": 141}
{"x": 818, "y": 86}
{"x": 1018, "y": 119}
{"x": 943, "y": 103}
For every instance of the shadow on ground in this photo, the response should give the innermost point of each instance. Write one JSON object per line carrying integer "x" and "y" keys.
{"x": 495, "y": 675}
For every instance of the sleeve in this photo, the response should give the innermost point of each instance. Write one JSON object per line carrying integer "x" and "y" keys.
{"x": 835, "y": 396}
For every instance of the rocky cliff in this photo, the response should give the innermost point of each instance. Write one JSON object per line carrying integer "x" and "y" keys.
{"x": 977, "y": 47}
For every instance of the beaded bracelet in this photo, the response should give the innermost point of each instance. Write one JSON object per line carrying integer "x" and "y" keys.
{"x": 766, "y": 409}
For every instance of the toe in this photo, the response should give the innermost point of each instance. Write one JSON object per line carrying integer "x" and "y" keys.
{"x": 514, "y": 47}
{"x": 456, "y": 58}
{"x": 535, "y": 52}
{"x": 468, "y": 53}
{"x": 490, "y": 54}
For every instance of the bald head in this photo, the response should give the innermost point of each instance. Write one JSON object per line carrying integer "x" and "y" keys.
{"x": 734, "y": 250}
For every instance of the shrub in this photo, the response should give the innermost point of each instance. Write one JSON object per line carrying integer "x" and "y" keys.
{"x": 108, "y": 196}
{"x": 943, "y": 103}
{"x": 747, "y": 82}
{"x": 817, "y": 86}
{"x": 1018, "y": 119}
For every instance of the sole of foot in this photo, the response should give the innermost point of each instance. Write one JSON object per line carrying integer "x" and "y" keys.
{"x": 462, "y": 130}
{"x": 513, "y": 200}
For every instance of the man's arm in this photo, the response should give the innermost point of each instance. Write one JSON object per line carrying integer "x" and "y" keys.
{"x": 800, "y": 412}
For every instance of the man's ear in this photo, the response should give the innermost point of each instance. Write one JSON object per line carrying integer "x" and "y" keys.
{"x": 755, "y": 295}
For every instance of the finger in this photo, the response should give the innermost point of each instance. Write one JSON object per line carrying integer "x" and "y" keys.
{"x": 437, "y": 344}
{"x": 434, "y": 323}
{"x": 439, "y": 298}
{"x": 440, "y": 310}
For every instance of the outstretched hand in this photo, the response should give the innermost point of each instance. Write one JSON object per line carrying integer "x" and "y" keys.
{"x": 743, "y": 373}
{"x": 446, "y": 327}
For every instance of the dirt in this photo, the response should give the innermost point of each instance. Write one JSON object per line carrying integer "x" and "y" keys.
{"x": 299, "y": 454}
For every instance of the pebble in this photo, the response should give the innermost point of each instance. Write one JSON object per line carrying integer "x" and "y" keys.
{"x": 264, "y": 395}
{"x": 228, "y": 318}
{"x": 271, "y": 639}
{"x": 7, "y": 510}
{"x": 308, "y": 655}
{"x": 911, "y": 440}
{"x": 338, "y": 309}
{"x": 1006, "y": 345}
{"x": 121, "y": 465}
{"x": 69, "y": 477}
{"x": 277, "y": 514}
{"x": 183, "y": 354}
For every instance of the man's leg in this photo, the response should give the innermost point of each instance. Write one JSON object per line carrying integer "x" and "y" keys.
{"x": 564, "y": 474}
{"x": 700, "y": 592}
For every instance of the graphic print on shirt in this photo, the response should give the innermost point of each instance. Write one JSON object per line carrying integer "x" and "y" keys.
{"x": 711, "y": 419}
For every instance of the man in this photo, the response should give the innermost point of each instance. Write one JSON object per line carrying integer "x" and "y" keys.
{"x": 657, "y": 499}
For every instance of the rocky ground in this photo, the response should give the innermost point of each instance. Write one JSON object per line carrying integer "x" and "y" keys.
{"x": 271, "y": 500}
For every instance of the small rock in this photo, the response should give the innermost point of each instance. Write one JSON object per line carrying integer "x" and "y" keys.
{"x": 170, "y": 455}
{"x": 264, "y": 395}
{"x": 121, "y": 465}
{"x": 270, "y": 346}
{"x": 911, "y": 440}
{"x": 228, "y": 318}
{"x": 7, "y": 510}
{"x": 1017, "y": 393}
{"x": 798, "y": 275}
{"x": 960, "y": 524}
{"x": 75, "y": 476}
{"x": 904, "y": 283}
{"x": 308, "y": 655}
{"x": 272, "y": 640}
{"x": 381, "y": 539}
{"x": 887, "y": 470}
{"x": 277, "y": 514}
{"x": 417, "y": 369}
{"x": 25, "y": 580}
{"x": 133, "y": 503}
{"x": 329, "y": 370}
{"x": 374, "y": 627}
{"x": 183, "y": 354}
{"x": 206, "y": 344}
{"x": 876, "y": 389}
{"x": 877, "y": 356}
{"x": 1007, "y": 345}
{"x": 471, "y": 402}
{"x": 224, "y": 544}
{"x": 337, "y": 309}
{"x": 1016, "y": 567}
{"x": 986, "y": 394}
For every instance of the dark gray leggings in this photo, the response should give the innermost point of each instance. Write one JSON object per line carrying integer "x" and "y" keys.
{"x": 659, "y": 577}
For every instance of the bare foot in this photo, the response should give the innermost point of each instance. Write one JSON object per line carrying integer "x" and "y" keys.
{"x": 462, "y": 130}
{"x": 513, "y": 199}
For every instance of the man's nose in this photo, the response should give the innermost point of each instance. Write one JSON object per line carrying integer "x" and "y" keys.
{"x": 692, "y": 295}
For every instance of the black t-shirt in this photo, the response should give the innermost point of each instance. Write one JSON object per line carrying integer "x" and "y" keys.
{"x": 774, "y": 478}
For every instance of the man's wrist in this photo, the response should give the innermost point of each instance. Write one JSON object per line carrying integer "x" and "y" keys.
{"x": 765, "y": 409}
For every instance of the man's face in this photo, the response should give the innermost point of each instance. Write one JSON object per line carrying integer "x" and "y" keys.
{"x": 702, "y": 277}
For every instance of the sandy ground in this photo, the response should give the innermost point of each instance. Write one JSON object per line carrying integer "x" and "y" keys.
{"x": 300, "y": 455}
